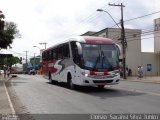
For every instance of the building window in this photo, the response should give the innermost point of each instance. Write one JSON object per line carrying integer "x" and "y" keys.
{"x": 134, "y": 35}
{"x": 157, "y": 26}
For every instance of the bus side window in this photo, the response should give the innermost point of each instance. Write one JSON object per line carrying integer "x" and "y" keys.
{"x": 47, "y": 55}
{"x": 66, "y": 51}
{"x": 59, "y": 52}
{"x": 54, "y": 54}
{"x": 76, "y": 57}
{"x": 43, "y": 57}
{"x": 50, "y": 55}
{"x": 73, "y": 47}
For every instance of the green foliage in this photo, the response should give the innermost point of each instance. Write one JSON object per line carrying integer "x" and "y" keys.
{"x": 8, "y": 31}
{"x": 1, "y": 20}
{"x": 11, "y": 61}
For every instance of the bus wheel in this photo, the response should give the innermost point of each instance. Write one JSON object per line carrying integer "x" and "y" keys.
{"x": 100, "y": 86}
{"x": 69, "y": 82}
{"x": 50, "y": 79}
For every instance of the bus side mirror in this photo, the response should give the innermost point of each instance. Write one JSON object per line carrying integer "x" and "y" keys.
{"x": 76, "y": 57}
{"x": 119, "y": 49}
{"x": 79, "y": 48}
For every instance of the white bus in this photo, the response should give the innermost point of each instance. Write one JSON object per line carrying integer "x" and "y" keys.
{"x": 83, "y": 61}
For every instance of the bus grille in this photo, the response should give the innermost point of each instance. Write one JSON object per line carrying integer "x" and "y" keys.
{"x": 102, "y": 81}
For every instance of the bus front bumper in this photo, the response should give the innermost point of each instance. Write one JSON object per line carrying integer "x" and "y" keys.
{"x": 100, "y": 80}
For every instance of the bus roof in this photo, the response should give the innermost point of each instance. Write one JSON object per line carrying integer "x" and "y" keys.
{"x": 97, "y": 40}
{"x": 86, "y": 39}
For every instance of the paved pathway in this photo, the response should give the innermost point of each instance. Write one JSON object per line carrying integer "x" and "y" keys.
{"x": 5, "y": 107}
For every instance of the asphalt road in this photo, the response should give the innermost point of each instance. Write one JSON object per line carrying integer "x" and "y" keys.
{"x": 33, "y": 94}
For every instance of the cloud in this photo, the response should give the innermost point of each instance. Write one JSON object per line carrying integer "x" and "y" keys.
{"x": 52, "y": 21}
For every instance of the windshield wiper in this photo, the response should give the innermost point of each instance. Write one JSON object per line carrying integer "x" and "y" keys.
{"x": 104, "y": 57}
{"x": 98, "y": 58}
{"x": 110, "y": 65}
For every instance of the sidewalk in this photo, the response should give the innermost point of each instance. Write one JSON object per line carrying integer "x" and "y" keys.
{"x": 146, "y": 79}
{"x": 5, "y": 107}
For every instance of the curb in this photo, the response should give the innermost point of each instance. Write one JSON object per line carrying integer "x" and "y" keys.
{"x": 9, "y": 100}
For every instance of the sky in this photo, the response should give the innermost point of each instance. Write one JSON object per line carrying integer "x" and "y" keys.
{"x": 52, "y": 21}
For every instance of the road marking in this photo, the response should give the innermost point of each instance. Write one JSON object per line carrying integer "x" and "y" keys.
{"x": 9, "y": 100}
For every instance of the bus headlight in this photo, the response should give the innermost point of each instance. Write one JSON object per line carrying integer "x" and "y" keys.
{"x": 85, "y": 74}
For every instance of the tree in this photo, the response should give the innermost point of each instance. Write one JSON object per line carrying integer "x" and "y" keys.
{"x": 1, "y": 21}
{"x": 8, "y": 31}
{"x": 11, "y": 61}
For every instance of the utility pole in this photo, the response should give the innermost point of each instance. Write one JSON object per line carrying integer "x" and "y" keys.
{"x": 26, "y": 58}
{"x": 123, "y": 40}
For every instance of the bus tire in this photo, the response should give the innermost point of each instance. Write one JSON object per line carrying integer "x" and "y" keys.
{"x": 69, "y": 82}
{"x": 50, "y": 79}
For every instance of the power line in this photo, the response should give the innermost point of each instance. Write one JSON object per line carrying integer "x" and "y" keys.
{"x": 145, "y": 33}
{"x": 90, "y": 18}
{"x": 141, "y": 39}
{"x": 142, "y": 16}
{"x": 148, "y": 30}
{"x": 107, "y": 9}
{"x": 139, "y": 17}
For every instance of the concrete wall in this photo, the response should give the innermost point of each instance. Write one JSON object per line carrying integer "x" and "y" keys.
{"x": 133, "y": 60}
{"x": 153, "y": 59}
{"x": 142, "y": 59}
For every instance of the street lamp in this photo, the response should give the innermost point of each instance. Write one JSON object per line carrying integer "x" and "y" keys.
{"x": 37, "y": 47}
{"x": 40, "y": 50}
{"x": 44, "y": 43}
{"x": 101, "y": 10}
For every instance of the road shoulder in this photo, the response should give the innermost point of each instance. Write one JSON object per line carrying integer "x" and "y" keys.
{"x": 5, "y": 102}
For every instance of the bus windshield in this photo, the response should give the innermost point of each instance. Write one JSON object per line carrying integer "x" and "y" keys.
{"x": 100, "y": 56}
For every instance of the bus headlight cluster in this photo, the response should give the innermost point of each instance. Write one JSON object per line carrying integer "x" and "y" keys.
{"x": 85, "y": 73}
